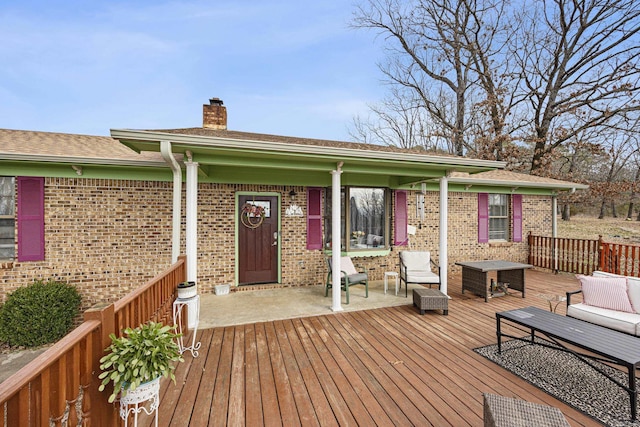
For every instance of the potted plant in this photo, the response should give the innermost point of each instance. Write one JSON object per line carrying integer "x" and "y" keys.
{"x": 139, "y": 357}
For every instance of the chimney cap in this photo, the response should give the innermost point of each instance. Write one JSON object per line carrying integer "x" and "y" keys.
{"x": 215, "y": 101}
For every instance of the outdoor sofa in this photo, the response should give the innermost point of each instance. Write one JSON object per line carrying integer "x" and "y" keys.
{"x": 609, "y": 300}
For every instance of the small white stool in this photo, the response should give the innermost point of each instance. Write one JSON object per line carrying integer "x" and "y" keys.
{"x": 388, "y": 274}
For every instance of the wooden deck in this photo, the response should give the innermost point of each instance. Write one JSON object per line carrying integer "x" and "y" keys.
{"x": 386, "y": 367}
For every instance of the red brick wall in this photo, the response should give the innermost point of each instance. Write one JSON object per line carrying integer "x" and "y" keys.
{"x": 109, "y": 236}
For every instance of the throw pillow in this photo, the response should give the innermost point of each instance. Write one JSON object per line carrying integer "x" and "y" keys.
{"x": 605, "y": 292}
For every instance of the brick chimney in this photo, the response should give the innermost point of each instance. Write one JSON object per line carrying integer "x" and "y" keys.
{"x": 214, "y": 115}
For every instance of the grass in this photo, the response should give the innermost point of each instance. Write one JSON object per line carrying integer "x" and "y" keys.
{"x": 617, "y": 230}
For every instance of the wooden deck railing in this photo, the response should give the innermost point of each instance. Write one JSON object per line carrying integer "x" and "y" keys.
{"x": 60, "y": 387}
{"x": 620, "y": 258}
{"x": 583, "y": 256}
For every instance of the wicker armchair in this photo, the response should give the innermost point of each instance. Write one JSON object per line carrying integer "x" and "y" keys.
{"x": 415, "y": 267}
{"x": 349, "y": 276}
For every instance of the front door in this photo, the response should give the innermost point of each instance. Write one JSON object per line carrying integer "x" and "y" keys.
{"x": 257, "y": 239}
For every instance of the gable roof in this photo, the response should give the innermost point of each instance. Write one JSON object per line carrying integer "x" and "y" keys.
{"x": 231, "y": 153}
{"x": 69, "y": 148}
{"x": 250, "y": 136}
{"x": 515, "y": 180}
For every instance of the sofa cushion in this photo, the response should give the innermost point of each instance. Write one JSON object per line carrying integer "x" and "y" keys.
{"x": 618, "y": 320}
{"x": 633, "y": 288}
{"x": 606, "y": 292}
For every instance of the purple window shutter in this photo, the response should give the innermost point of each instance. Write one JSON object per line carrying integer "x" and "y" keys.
{"x": 30, "y": 219}
{"x": 401, "y": 237}
{"x": 314, "y": 218}
{"x": 483, "y": 218}
{"x": 516, "y": 200}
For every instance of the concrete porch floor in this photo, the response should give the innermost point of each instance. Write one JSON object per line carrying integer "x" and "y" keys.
{"x": 237, "y": 308}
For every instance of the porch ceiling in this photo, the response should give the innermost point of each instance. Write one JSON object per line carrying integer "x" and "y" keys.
{"x": 228, "y": 160}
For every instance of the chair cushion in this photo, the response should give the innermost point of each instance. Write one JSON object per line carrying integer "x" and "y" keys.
{"x": 358, "y": 277}
{"x": 416, "y": 260}
{"x": 347, "y": 266}
{"x": 416, "y": 276}
{"x": 605, "y": 292}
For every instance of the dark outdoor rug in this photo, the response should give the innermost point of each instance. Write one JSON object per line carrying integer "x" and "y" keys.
{"x": 568, "y": 379}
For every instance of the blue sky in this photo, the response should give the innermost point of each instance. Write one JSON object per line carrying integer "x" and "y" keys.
{"x": 285, "y": 67}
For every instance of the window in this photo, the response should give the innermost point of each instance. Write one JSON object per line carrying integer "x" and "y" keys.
{"x": 363, "y": 220}
{"x": 7, "y": 217}
{"x": 498, "y": 217}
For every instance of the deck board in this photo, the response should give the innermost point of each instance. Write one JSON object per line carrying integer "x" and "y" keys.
{"x": 386, "y": 367}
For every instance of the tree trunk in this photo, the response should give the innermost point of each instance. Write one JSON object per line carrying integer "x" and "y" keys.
{"x": 566, "y": 212}
{"x": 630, "y": 211}
{"x": 614, "y": 212}
{"x": 603, "y": 209}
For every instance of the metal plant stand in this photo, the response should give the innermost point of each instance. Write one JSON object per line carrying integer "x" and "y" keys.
{"x": 178, "y": 305}
{"x": 133, "y": 402}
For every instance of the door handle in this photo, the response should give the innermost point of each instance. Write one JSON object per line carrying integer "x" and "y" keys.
{"x": 275, "y": 238}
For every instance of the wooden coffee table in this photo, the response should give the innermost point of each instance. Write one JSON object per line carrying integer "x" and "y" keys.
{"x": 474, "y": 276}
{"x": 599, "y": 343}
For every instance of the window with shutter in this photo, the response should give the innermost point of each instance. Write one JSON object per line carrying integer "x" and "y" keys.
{"x": 516, "y": 201}
{"x": 401, "y": 219}
{"x": 314, "y": 218}
{"x": 483, "y": 217}
{"x": 30, "y": 219}
{"x": 364, "y": 219}
{"x": 7, "y": 218}
{"x": 496, "y": 214}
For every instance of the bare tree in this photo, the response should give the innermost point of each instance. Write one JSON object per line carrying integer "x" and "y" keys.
{"x": 426, "y": 54}
{"x": 486, "y": 38}
{"x": 510, "y": 81}
{"x": 578, "y": 60}
{"x": 398, "y": 122}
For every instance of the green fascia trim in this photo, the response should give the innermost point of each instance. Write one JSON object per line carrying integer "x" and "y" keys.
{"x": 88, "y": 171}
{"x": 514, "y": 189}
{"x": 361, "y": 253}
{"x": 293, "y": 161}
{"x": 238, "y": 175}
{"x": 237, "y": 231}
{"x": 495, "y": 189}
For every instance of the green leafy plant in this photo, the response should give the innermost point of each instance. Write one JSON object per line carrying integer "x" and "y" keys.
{"x": 39, "y": 313}
{"x": 141, "y": 355}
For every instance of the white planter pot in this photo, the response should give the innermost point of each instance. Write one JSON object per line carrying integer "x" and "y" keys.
{"x": 187, "y": 290}
{"x": 145, "y": 391}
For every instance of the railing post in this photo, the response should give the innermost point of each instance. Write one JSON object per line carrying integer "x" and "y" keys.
{"x": 601, "y": 254}
{"x": 103, "y": 413}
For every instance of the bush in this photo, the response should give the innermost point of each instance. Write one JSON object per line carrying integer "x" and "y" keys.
{"x": 40, "y": 313}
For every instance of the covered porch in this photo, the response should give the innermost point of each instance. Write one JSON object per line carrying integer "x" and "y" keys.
{"x": 381, "y": 366}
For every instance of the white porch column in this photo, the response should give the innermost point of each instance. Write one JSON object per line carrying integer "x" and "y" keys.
{"x": 335, "y": 238}
{"x": 192, "y": 221}
{"x": 444, "y": 214}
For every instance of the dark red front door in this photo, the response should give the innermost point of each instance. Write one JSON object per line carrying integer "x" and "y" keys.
{"x": 258, "y": 239}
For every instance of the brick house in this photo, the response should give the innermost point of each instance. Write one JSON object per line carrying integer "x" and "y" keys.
{"x": 108, "y": 213}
